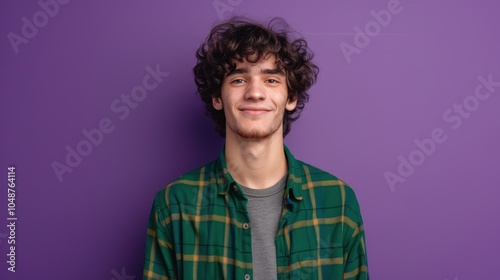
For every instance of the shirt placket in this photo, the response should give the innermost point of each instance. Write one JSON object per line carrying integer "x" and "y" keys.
{"x": 242, "y": 229}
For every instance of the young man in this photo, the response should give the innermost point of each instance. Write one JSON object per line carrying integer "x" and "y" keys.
{"x": 255, "y": 212}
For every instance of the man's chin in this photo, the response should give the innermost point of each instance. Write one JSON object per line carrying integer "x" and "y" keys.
{"x": 255, "y": 134}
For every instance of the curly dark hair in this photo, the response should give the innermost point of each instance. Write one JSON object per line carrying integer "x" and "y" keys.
{"x": 241, "y": 38}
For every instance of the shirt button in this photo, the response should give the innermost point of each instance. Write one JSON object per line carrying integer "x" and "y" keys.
{"x": 235, "y": 188}
{"x": 247, "y": 276}
{"x": 246, "y": 226}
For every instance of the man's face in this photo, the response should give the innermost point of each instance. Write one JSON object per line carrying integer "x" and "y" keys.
{"x": 254, "y": 99}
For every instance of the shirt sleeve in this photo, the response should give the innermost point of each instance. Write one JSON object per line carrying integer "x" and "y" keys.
{"x": 356, "y": 264}
{"x": 159, "y": 258}
{"x": 356, "y": 267}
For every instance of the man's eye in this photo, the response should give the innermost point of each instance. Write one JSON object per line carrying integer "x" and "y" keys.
{"x": 238, "y": 81}
{"x": 272, "y": 81}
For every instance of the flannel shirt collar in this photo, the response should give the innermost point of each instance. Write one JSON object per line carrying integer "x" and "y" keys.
{"x": 293, "y": 191}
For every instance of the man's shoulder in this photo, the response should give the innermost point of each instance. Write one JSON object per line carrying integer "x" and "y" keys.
{"x": 315, "y": 175}
{"x": 186, "y": 186}
{"x": 325, "y": 183}
{"x": 197, "y": 175}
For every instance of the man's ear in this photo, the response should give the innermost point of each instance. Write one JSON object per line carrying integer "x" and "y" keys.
{"x": 217, "y": 103}
{"x": 291, "y": 104}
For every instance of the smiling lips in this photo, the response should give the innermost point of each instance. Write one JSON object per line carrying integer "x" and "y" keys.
{"x": 254, "y": 110}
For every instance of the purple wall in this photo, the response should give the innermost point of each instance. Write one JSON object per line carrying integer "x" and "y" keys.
{"x": 406, "y": 110}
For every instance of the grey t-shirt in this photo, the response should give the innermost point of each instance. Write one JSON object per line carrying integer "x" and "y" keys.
{"x": 264, "y": 209}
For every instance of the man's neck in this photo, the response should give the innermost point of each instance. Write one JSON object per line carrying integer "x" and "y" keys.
{"x": 256, "y": 164}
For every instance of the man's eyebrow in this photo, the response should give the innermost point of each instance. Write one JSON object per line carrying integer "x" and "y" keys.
{"x": 273, "y": 71}
{"x": 237, "y": 71}
{"x": 263, "y": 71}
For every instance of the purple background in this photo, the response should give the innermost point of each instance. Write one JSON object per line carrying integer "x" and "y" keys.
{"x": 440, "y": 223}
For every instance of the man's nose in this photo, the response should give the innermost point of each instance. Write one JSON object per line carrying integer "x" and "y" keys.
{"x": 255, "y": 90}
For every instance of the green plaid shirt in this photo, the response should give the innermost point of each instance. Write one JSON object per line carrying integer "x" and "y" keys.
{"x": 199, "y": 228}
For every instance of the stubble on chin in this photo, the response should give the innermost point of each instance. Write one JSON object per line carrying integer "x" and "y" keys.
{"x": 254, "y": 133}
{"x": 257, "y": 133}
